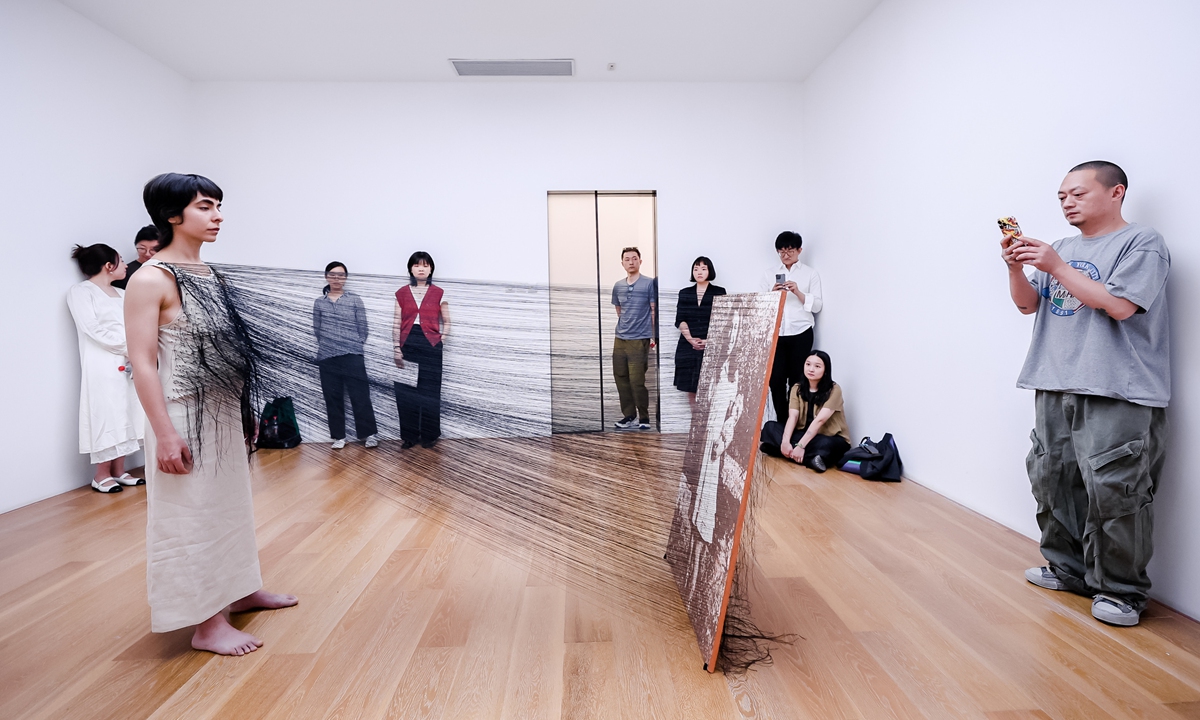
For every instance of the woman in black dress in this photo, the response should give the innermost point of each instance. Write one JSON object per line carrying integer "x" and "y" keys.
{"x": 691, "y": 317}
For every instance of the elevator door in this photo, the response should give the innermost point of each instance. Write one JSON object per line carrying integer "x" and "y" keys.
{"x": 587, "y": 232}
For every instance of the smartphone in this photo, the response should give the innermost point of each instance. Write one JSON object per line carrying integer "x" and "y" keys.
{"x": 780, "y": 278}
{"x": 1010, "y": 228}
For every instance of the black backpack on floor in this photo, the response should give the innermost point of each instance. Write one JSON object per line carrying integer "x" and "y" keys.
{"x": 278, "y": 427}
{"x": 875, "y": 460}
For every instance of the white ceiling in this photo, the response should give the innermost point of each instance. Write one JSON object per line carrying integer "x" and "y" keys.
{"x": 379, "y": 40}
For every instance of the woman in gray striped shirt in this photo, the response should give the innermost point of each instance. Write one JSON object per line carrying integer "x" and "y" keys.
{"x": 340, "y": 324}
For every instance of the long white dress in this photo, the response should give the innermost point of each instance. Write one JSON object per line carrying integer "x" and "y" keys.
{"x": 201, "y": 552}
{"x": 111, "y": 420}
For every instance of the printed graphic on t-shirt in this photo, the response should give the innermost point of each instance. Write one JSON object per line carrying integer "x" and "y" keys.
{"x": 1062, "y": 302}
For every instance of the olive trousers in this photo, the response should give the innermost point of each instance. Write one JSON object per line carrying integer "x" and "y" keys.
{"x": 1094, "y": 468}
{"x": 630, "y": 359}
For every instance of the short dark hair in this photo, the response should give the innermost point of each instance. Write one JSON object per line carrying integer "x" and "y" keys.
{"x": 328, "y": 268}
{"x": 632, "y": 250}
{"x": 1109, "y": 174}
{"x": 147, "y": 233}
{"x": 712, "y": 271}
{"x": 789, "y": 240}
{"x": 168, "y": 194}
{"x": 93, "y": 258}
{"x": 417, "y": 257}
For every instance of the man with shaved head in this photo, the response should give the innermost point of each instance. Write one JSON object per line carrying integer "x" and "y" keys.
{"x": 1099, "y": 363}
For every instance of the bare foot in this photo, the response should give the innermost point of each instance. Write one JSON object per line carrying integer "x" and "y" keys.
{"x": 216, "y": 635}
{"x": 263, "y": 600}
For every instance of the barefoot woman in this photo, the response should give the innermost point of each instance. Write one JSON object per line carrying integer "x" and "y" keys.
{"x": 201, "y": 554}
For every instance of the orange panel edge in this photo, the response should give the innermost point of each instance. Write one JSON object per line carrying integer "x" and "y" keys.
{"x": 711, "y": 665}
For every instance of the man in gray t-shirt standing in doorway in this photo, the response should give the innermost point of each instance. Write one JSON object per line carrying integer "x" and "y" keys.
{"x": 636, "y": 298}
{"x": 1099, "y": 361}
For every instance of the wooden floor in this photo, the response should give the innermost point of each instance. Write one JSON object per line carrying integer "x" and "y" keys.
{"x": 904, "y": 605}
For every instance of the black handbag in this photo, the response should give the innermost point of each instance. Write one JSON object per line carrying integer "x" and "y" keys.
{"x": 278, "y": 427}
{"x": 875, "y": 460}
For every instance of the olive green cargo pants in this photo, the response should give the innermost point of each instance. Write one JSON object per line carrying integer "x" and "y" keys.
{"x": 630, "y": 359}
{"x": 1094, "y": 467}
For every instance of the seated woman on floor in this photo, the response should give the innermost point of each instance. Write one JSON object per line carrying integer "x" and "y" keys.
{"x": 815, "y": 433}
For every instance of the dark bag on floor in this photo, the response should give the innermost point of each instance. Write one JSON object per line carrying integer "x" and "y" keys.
{"x": 874, "y": 460}
{"x": 278, "y": 427}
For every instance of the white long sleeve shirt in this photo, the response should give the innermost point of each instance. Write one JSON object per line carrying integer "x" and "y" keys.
{"x": 797, "y": 316}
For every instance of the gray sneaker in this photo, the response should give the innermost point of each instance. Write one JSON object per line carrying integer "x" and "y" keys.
{"x": 1114, "y": 611}
{"x": 371, "y": 441}
{"x": 1044, "y": 577}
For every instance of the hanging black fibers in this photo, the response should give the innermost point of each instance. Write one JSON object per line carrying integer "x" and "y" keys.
{"x": 590, "y": 510}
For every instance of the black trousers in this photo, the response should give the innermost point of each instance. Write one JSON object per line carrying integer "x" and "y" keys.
{"x": 420, "y": 407}
{"x": 347, "y": 374}
{"x": 831, "y": 448}
{"x": 788, "y": 369}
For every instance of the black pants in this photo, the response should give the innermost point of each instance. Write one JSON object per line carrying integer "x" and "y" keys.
{"x": 339, "y": 375}
{"x": 831, "y": 448}
{"x": 420, "y": 407}
{"x": 788, "y": 368}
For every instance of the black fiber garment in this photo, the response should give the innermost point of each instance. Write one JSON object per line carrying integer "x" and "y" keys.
{"x": 697, "y": 316}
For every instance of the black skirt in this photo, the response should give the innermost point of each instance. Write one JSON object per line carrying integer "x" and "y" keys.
{"x": 687, "y": 366}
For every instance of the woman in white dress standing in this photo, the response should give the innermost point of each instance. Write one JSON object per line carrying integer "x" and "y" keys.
{"x": 110, "y": 418}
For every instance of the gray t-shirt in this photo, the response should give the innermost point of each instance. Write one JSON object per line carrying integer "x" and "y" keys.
{"x": 634, "y": 301}
{"x": 1080, "y": 350}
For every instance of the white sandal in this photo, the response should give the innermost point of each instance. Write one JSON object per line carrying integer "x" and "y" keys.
{"x": 101, "y": 487}
{"x": 129, "y": 480}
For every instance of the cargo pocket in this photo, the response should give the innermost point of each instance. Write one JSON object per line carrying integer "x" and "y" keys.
{"x": 1121, "y": 479}
{"x": 1035, "y": 465}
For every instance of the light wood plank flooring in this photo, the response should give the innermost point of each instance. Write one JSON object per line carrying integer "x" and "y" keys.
{"x": 904, "y": 605}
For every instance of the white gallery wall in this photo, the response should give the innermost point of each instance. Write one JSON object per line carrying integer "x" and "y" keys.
{"x": 84, "y": 121}
{"x": 367, "y": 173}
{"x": 930, "y": 121}
{"x": 370, "y": 172}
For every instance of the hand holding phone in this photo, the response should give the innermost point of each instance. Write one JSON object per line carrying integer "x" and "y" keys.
{"x": 1011, "y": 240}
{"x": 1010, "y": 228}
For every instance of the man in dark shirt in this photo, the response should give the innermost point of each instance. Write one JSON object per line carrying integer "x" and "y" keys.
{"x": 146, "y": 244}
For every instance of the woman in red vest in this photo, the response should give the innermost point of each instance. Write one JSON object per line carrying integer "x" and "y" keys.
{"x": 421, "y": 323}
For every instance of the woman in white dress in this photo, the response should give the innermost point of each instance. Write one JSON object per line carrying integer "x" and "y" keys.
{"x": 201, "y": 550}
{"x": 110, "y": 418}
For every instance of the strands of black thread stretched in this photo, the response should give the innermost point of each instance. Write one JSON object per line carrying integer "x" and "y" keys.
{"x": 743, "y": 643}
{"x": 553, "y": 501}
{"x": 218, "y": 361}
{"x": 599, "y": 531}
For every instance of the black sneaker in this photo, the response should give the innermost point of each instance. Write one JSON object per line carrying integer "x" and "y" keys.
{"x": 406, "y": 444}
{"x": 818, "y": 463}
{"x": 625, "y": 423}
{"x": 643, "y": 424}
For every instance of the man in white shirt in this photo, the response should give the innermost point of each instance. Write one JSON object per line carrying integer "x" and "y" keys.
{"x": 803, "y": 287}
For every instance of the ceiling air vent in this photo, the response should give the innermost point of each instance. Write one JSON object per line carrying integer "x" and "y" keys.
{"x": 514, "y": 68}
